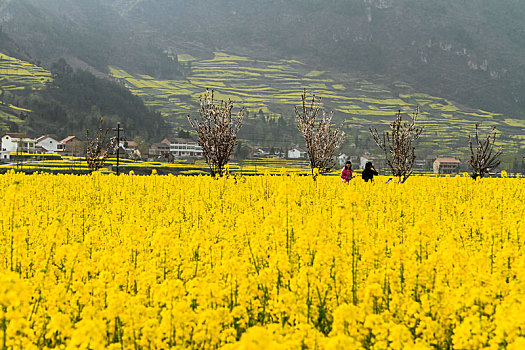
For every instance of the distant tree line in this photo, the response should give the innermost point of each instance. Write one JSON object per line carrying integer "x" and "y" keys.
{"x": 269, "y": 130}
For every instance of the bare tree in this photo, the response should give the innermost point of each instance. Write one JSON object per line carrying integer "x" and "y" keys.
{"x": 98, "y": 150}
{"x": 483, "y": 156}
{"x": 321, "y": 142}
{"x": 397, "y": 145}
{"x": 217, "y": 131}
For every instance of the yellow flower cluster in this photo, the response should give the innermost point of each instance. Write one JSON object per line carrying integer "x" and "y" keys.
{"x": 266, "y": 262}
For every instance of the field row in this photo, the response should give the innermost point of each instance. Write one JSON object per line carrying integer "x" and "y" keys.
{"x": 199, "y": 167}
{"x": 17, "y": 74}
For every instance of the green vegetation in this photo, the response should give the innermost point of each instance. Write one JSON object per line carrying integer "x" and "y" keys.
{"x": 69, "y": 102}
{"x": 90, "y": 32}
{"x": 17, "y": 76}
{"x": 472, "y": 52}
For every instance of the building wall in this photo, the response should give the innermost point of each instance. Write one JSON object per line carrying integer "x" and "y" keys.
{"x": 75, "y": 147}
{"x": 186, "y": 150}
{"x": 49, "y": 144}
{"x": 445, "y": 168}
{"x": 12, "y": 145}
{"x": 295, "y": 154}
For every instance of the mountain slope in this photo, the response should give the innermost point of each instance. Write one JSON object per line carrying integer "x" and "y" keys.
{"x": 269, "y": 90}
{"x": 471, "y": 51}
{"x": 67, "y": 102}
{"x": 87, "y": 30}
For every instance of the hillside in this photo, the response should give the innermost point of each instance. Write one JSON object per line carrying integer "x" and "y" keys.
{"x": 17, "y": 77}
{"x": 88, "y": 31}
{"x": 469, "y": 51}
{"x": 462, "y": 62}
{"x": 64, "y": 102}
{"x": 269, "y": 90}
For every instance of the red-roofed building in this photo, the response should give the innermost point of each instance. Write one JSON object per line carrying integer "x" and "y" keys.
{"x": 71, "y": 146}
{"x": 446, "y": 166}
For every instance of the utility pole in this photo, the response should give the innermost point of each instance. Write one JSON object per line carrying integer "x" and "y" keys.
{"x": 118, "y": 129}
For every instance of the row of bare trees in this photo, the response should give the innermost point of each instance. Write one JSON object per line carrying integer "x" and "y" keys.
{"x": 217, "y": 131}
{"x": 398, "y": 147}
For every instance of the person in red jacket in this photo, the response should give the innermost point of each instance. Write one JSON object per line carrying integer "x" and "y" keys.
{"x": 346, "y": 173}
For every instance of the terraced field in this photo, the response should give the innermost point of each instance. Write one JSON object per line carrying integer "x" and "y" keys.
{"x": 16, "y": 75}
{"x": 274, "y": 87}
{"x": 249, "y": 167}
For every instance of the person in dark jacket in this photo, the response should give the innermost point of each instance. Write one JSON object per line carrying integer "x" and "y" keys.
{"x": 369, "y": 172}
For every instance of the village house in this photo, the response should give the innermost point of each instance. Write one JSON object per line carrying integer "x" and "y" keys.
{"x": 342, "y": 158}
{"x": 128, "y": 148}
{"x": 420, "y": 163}
{"x": 297, "y": 153}
{"x": 47, "y": 145}
{"x": 180, "y": 147}
{"x": 16, "y": 143}
{"x": 261, "y": 152}
{"x": 446, "y": 166}
{"x": 159, "y": 150}
{"x": 71, "y": 146}
{"x": 378, "y": 161}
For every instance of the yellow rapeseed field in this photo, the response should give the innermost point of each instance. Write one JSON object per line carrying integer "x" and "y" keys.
{"x": 263, "y": 262}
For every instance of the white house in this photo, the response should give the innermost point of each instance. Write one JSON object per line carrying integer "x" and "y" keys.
{"x": 260, "y": 152}
{"x": 185, "y": 148}
{"x": 378, "y": 161}
{"x": 296, "y": 153}
{"x": 47, "y": 144}
{"x": 129, "y": 146}
{"x": 341, "y": 159}
{"x": 363, "y": 161}
{"x": 16, "y": 143}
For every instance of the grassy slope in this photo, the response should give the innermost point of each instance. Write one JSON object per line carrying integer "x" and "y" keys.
{"x": 275, "y": 87}
{"x": 16, "y": 75}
